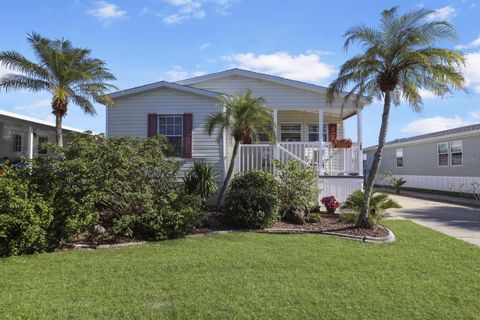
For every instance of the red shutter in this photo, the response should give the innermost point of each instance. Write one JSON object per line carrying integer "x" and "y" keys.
{"x": 152, "y": 129}
{"x": 332, "y": 132}
{"x": 187, "y": 135}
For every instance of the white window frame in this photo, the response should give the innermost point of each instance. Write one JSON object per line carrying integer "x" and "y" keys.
{"x": 325, "y": 131}
{"x": 175, "y": 135}
{"x": 397, "y": 157}
{"x": 451, "y": 153}
{"x": 447, "y": 153}
{"x": 291, "y": 123}
{"x": 14, "y": 142}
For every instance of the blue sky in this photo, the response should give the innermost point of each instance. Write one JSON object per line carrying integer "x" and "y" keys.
{"x": 144, "y": 41}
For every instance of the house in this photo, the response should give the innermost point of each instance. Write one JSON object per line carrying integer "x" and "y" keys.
{"x": 21, "y": 136}
{"x": 306, "y": 125}
{"x": 446, "y": 160}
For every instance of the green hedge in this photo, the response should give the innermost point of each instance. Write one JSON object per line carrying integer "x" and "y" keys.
{"x": 252, "y": 201}
{"x": 129, "y": 186}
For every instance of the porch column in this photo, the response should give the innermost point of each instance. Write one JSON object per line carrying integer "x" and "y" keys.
{"x": 360, "y": 141}
{"x": 30, "y": 143}
{"x": 320, "y": 141}
{"x": 275, "y": 132}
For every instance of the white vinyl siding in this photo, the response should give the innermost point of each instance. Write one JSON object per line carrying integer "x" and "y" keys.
{"x": 129, "y": 118}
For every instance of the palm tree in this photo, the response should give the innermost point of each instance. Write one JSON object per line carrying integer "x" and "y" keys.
{"x": 243, "y": 117}
{"x": 398, "y": 59}
{"x": 68, "y": 73}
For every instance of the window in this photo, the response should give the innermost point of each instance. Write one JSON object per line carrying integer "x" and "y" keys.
{"x": 442, "y": 150}
{"x": 399, "y": 156}
{"x": 290, "y": 132}
{"x": 17, "y": 143}
{"x": 41, "y": 147}
{"x": 456, "y": 153}
{"x": 171, "y": 126}
{"x": 313, "y": 132}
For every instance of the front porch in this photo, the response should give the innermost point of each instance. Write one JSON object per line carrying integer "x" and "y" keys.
{"x": 310, "y": 137}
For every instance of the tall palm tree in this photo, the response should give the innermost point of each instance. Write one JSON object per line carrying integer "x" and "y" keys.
{"x": 68, "y": 73}
{"x": 243, "y": 118}
{"x": 398, "y": 60}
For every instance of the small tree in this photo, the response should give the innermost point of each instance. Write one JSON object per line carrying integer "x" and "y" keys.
{"x": 297, "y": 187}
{"x": 243, "y": 117}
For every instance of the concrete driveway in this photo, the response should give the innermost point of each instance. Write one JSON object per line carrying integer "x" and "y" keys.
{"x": 454, "y": 220}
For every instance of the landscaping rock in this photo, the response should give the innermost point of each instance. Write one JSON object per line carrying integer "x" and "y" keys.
{"x": 294, "y": 215}
{"x": 98, "y": 230}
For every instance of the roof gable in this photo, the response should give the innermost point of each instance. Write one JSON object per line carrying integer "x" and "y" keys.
{"x": 258, "y": 76}
{"x": 163, "y": 84}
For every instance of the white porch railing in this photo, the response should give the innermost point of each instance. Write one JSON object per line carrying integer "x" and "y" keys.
{"x": 335, "y": 161}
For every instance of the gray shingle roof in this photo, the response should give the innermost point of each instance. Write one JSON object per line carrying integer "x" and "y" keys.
{"x": 434, "y": 134}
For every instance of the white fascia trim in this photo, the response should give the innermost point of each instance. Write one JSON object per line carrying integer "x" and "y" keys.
{"x": 34, "y": 120}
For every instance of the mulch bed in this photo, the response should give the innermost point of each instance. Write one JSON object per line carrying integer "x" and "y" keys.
{"x": 101, "y": 240}
{"x": 331, "y": 223}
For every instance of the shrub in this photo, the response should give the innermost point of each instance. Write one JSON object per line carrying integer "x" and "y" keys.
{"x": 379, "y": 204}
{"x": 314, "y": 217}
{"x": 297, "y": 187}
{"x": 24, "y": 216}
{"x": 201, "y": 180}
{"x": 252, "y": 200}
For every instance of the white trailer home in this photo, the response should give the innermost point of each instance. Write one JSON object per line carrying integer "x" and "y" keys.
{"x": 306, "y": 126}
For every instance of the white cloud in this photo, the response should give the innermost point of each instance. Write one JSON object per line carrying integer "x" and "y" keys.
{"x": 178, "y": 73}
{"x": 433, "y": 124}
{"x": 425, "y": 94}
{"x": 472, "y": 70}
{"x": 474, "y": 115}
{"x": 475, "y": 43}
{"x": 4, "y": 70}
{"x": 107, "y": 12}
{"x": 445, "y": 13}
{"x": 303, "y": 67}
{"x": 185, "y": 10}
{"x": 40, "y": 109}
{"x": 204, "y": 46}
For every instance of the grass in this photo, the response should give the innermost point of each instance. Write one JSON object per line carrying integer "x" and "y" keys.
{"x": 425, "y": 275}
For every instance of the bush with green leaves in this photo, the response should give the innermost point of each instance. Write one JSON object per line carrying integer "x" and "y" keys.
{"x": 201, "y": 180}
{"x": 24, "y": 216}
{"x": 379, "y": 204}
{"x": 252, "y": 201}
{"x": 297, "y": 186}
{"x": 128, "y": 185}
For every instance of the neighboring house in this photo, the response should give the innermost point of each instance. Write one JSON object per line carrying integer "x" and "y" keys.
{"x": 20, "y": 136}
{"x": 305, "y": 124}
{"x": 447, "y": 160}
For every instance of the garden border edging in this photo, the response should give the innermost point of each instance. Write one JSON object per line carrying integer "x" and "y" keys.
{"x": 390, "y": 238}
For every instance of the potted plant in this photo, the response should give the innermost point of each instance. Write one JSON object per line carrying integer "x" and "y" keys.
{"x": 342, "y": 143}
{"x": 331, "y": 203}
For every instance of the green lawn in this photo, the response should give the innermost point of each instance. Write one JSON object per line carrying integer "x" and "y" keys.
{"x": 425, "y": 275}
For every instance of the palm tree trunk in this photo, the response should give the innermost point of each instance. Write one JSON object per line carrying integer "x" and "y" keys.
{"x": 58, "y": 129}
{"x": 229, "y": 174}
{"x": 363, "y": 220}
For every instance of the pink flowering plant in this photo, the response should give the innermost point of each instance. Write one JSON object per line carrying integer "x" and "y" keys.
{"x": 330, "y": 202}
